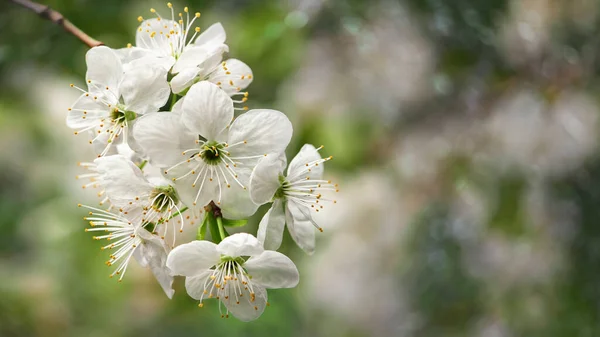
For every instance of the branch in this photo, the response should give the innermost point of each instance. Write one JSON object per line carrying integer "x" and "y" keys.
{"x": 47, "y": 13}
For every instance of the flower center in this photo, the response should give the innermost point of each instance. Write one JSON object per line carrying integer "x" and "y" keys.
{"x": 164, "y": 197}
{"x": 121, "y": 116}
{"x": 212, "y": 152}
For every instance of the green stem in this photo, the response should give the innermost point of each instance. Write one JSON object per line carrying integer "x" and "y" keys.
{"x": 173, "y": 101}
{"x": 221, "y": 229}
{"x": 214, "y": 230}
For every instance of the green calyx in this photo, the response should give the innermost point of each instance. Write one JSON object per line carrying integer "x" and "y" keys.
{"x": 212, "y": 152}
{"x": 122, "y": 116}
{"x": 283, "y": 184}
{"x": 163, "y": 196}
{"x": 238, "y": 259}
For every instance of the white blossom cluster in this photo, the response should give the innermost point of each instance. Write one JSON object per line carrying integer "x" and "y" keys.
{"x": 161, "y": 118}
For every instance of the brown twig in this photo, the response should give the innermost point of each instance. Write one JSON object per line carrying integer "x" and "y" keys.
{"x": 47, "y": 13}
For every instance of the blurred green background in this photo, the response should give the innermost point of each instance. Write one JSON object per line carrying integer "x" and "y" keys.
{"x": 465, "y": 137}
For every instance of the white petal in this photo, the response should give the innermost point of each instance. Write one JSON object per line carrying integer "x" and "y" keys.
{"x": 235, "y": 201}
{"x": 100, "y": 142}
{"x": 240, "y": 244}
{"x": 191, "y": 259}
{"x": 307, "y": 155}
{"x": 300, "y": 227}
{"x": 207, "y": 110}
{"x": 236, "y": 204}
{"x": 129, "y": 54}
{"x": 122, "y": 180}
{"x": 152, "y": 34}
{"x": 232, "y": 76}
{"x": 151, "y": 60}
{"x": 104, "y": 69}
{"x": 190, "y": 58}
{"x": 215, "y": 34}
{"x": 154, "y": 251}
{"x": 272, "y": 270}
{"x": 195, "y": 190}
{"x": 145, "y": 89}
{"x": 184, "y": 79}
{"x": 194, "y": 285}
{"x": 163, "y": 138}
{"x": 264, "y": 131}
{"x": 85, "y": 113}
{"x": 270, "y": 229}
{"x": 178, "y": 106}
{"x": 247, "y": 310}
{"x": 264, "y": 181}
{"x": 212, "y": 62}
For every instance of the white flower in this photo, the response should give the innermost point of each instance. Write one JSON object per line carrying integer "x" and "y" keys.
{"x": 115, "y": 98}
{"x": 129, "y": 238}
{"x": 167, "y": 42}
{"x": 294, "y": 196}
{"x": 206, "y": 157}
{"x": 125, "y": 185}
{"x": 221, "y": 272}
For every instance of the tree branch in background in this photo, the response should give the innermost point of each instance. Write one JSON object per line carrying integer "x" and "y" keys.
{"x": 47, "y": 13}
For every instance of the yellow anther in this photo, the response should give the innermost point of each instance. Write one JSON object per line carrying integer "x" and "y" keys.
{"x": 152, "y": 10}
{"x": 200, "y": 305}
{"x": 170, "y": 5}
{"x": 197, "y": 29}
{"x": 185, "y": 9}
{"x": 197, "y": 14}
{"x": 140, "y": 18}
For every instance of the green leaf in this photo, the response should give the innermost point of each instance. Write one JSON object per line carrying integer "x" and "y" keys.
{"x": 235, "y": 223}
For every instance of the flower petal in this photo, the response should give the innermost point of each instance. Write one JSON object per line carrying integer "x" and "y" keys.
{"x": 191, "y": 259}
{"x": 151, "y": 60}
{"x": 213, "y": 35}
{"x": 130, "y": 54}
{"x": 154, "y": 252}
{"x": 194, "y": 285}
{"x": 207, "y": 110}
{"x": 240, "y": 244}
{"x": 264, "y": 180}
{"x": 163, "y": 138}
{"x": 145, "y": 89}
{"x": 235, "y": 201}
{"x": 244, "y": 308}
{"x": 307, "y": 155}
{"x": 104, "y": 69}
{"x": 195, "y": 56}
{"x": 184, "y": 79}
{"x": 122, "y": 180}
{"x": 232, "y": 76}
{"x": 272, "y": 270}
{"x": 258, "y": 132}
{"x": 270, "y": 229}
{"x": 195, "y": 190}
{"x": 85, "y": 113}
{"x": 300, "y": 227}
